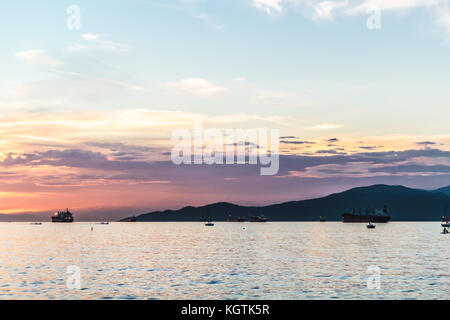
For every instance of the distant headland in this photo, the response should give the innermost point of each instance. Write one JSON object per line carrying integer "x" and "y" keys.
{"x": 406, "y": 204}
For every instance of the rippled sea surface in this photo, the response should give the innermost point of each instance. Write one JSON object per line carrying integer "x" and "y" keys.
{"x": 273, "y": 260}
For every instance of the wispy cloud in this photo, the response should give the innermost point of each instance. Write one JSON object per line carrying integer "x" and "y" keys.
{"x": 208, "y": 20}
{"x": 91, "y": 37}
{"x": 325, "y": 9}
{"x": 198, "y": 86}
{"x": 325, "y": 126}
{"x": 271, "y": 7}
{"x": 408, "y": 163}
{"x": 363, "y": 6}
{"x": 69, "y": 73}
{"x": 443, "y": 19}
{"x": 239, "y": 79}
{"x": 95, "y": 42}
{"x": 286, "y": 141}
{"x": 39, "y": 57}
{"x": 188, "y": 7}
{"x": 328, "y": 9}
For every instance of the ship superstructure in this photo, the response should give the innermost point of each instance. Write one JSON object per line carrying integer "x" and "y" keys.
{"x": 62, "y": 216}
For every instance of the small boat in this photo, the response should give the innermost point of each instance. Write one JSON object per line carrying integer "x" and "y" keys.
{"x": 209, "y": 223}
{"x": 36, "y": 223}
{"x": 445, "y": 223}
{"x": 104, "y": 222}
{"x": 370, "y": 226}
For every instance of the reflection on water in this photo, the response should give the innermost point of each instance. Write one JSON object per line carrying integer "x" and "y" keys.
{"x": 228, "y": 261}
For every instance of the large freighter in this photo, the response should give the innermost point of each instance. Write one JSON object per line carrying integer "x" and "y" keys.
{"x": 371, "y": 215}
{"x": 62, "y": 216}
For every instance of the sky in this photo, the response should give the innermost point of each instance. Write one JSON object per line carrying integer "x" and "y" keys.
{"x": 89, "y": 102}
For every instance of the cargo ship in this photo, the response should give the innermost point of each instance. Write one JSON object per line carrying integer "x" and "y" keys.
{"x": 62, "y": 216}
{"x": 371, "y": 215}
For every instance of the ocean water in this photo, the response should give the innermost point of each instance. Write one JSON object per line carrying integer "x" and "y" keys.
{"x": 273, "y": 260}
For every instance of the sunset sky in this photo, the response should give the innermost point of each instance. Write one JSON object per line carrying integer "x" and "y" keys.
{"x": 86, "y": 115}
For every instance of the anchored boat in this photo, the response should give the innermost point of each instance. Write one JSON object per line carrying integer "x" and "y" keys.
{"x": 62, "y": 216}
{"x": 445, "y": 222}
{"x": 260, "y": 218}
{"x": 209, "y": 223}
{"x": 371, "y": 215}
{"x": 231, "y": 219}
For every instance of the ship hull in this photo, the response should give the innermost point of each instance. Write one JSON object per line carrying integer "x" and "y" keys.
{"x": 364, "y": 218}
{"x": 58, "y": 220}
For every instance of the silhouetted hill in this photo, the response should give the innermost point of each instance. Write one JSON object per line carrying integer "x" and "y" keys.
{"x": 18, "y": 217}
{"x": 445, "y": 190}
{"x": 405, "y": 204}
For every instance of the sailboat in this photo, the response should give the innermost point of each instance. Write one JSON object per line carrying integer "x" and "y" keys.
{"x": 445, "y": 222}
{"x": 370, "y": 226}
{"x": 209, "y": 223}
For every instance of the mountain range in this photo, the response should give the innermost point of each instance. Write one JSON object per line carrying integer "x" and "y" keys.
{"x": 405, "y": 204}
